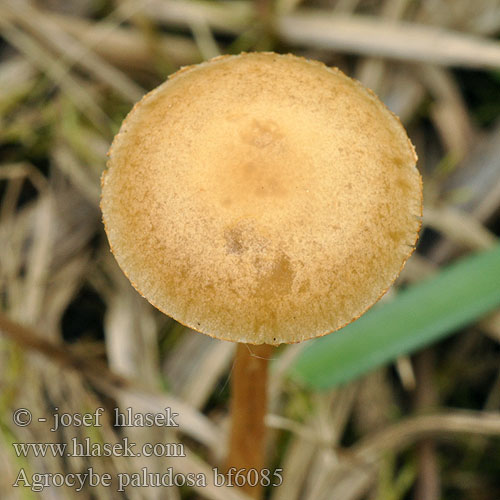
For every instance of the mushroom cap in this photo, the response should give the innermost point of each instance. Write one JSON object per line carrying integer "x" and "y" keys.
{"x": 262, "y": 198}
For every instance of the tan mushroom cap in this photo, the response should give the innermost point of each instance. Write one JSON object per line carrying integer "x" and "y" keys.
{"x": 262, "y": 198}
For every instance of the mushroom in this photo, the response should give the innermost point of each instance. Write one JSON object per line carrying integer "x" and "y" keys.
{"x": 261, "y": 199}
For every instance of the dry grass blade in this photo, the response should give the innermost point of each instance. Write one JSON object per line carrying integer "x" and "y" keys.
{"x": 73, "y": 51}
{"x": 478, "y": 180}
{"x": 280, "y": 368}
{"x": 13, "y": 73}
{"x": 345, "y": 6}
{"x": 448, "y": 111}
{"x": 405, "y": 432}
{"x": 194, "y": 383}
{"x": 459, "y": 227}
{"x": 41, "y": 58}
{"x": 487, "y": 21}
{"x": 403, "y": 40}
{"x": 491, "y": 326}
{"x": 126, "y": 47}
{"x": 405, "y": 94}
{"x": 296, "y": 464}
{"x": 474, "y": 188}
{"x": 131, "y": 348}
{"x": 75, "y": 335}
{"x": 228, "y": 17}
{"x": 355, "y": 471}
{"x": 371, "y": 70}
{"x": 38, "y": 260}
{"x": 354, "y": 484}
{"x": 192, "y": 422}
{"x": 67, "y": 162}
{"x": 210, "y": 491}
{"x": 301, "y": 431}
{"x": 21, "y": 170}
{"x": 355, "y": 34}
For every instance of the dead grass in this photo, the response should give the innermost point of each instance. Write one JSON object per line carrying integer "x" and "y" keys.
{"x": 77, "y": 336}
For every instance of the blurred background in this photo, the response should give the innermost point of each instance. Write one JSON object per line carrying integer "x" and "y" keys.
{"x": 420, "y": 423}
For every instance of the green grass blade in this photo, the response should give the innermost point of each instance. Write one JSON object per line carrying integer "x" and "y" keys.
{"x": 419, "y": 315}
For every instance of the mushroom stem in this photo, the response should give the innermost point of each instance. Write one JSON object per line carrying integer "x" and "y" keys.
{"x": 248, "y": 410}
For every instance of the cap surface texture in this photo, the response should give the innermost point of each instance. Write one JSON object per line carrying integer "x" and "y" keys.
{"x": 262, "y": 198}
